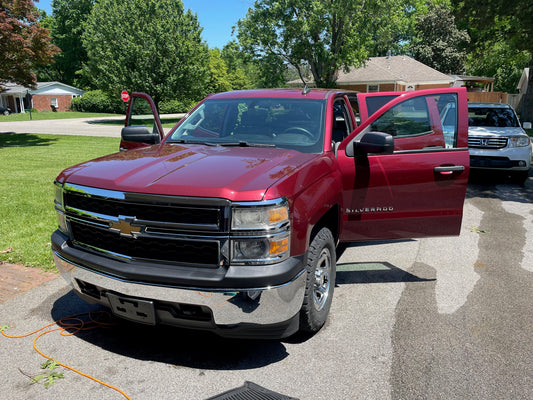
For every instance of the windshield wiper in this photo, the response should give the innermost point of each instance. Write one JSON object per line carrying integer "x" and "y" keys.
{"x": 194, "y": 142}
{"x": 242, "y": 143}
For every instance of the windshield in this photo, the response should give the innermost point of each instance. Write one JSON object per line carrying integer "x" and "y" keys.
{"x": 491, "y": 116}
{"x": 296, "y": 124}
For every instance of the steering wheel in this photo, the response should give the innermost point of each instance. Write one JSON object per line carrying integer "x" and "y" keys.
{"x": 298, "y": 129}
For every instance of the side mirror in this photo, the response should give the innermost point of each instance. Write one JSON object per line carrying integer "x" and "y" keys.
{"x": 526, "y": 125}
{"x": 139, "y": 134}
{"x": 372, "y": 142}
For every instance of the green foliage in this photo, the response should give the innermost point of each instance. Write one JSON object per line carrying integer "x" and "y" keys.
{"x": 241, "y": 71}
{"x": 175, "y": 106}
{"x": 68, "y": 19}
{"x": 319, "y": 35}
{"x": 218, "y": 73}
{"x": 438, "y": 42}
{"x": 503, "y": 29}
{"x": 24, "y": 43}
{"x": 150, "y": 46}
{"x": 99, "y": 102}
{"x": 49, "y": 376}
{"x": 496, "y": 59}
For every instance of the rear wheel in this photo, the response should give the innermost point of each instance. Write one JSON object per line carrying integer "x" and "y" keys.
{"x": 320, "y": 283}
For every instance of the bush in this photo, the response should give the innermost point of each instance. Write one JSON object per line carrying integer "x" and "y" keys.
{"x": 98, "y": 101}
{"x": 175, "y": 106}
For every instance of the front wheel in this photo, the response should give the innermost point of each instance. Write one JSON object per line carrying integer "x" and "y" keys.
{"x": 520, "y": 177}
{"x": 320, "y": 283}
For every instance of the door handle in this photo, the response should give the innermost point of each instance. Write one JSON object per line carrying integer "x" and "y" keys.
{"x": 449, "y": 169}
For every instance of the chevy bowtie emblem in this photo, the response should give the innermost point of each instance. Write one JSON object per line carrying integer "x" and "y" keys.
{"x": 124, "y": 226}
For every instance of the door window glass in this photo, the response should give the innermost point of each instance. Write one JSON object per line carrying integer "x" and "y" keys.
{"x": 421, "y": 122}
{"x": 141, "y": 114}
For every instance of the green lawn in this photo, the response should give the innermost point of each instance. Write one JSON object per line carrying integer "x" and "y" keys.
{"x": 45, "y": 115}
{"x": 29, "y": 166}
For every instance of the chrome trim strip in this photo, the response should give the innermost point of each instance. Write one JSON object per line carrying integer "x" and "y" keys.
{"x": 138, "y": 222}
{"x": 145, "y": 197}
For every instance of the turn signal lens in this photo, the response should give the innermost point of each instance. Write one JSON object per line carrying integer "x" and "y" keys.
{"x": 279, "y": 246}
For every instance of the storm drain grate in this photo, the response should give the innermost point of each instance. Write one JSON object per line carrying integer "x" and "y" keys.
{"x": 251, "y": 391}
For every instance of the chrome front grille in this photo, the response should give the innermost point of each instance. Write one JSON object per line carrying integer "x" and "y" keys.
{"x": 171, "y": 229}
{"x": 487, "y": 142}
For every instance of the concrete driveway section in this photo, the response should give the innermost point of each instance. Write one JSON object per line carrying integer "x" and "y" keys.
{"x": 439, "y": 318}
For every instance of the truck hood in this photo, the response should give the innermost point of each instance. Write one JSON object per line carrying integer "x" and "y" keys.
{"x": 488, "y": 131}
{"x": 234, "y": 173}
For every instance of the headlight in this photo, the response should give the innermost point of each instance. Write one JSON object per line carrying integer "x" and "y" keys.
{"x": 519, "y": 141}
{"x": 260, "y": 232}
{"x": 261, "y": 250}
{"x": 259, "y": 217}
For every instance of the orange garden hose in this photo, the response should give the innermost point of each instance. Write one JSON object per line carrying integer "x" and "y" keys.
{"x": 70, "y": 326}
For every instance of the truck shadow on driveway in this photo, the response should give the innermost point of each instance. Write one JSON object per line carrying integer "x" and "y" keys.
{"x": 169, "y": 345}
{"x": 374, "y": 272}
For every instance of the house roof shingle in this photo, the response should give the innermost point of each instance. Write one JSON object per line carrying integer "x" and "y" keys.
{"x": 393, "y": 69}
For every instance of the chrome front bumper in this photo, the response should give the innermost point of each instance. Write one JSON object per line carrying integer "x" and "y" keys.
{"x": 228, "y": 307}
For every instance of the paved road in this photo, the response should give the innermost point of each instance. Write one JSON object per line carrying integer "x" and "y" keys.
{"x": 440, "y": 318}
{"x": 72, "y": 126}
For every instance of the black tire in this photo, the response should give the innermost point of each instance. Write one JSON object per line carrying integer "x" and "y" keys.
{"x": 320, "y": 283}
{"x": 520, "y": 177}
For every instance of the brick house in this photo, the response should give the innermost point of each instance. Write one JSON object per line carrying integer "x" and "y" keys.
{"x": 49, "y": 96}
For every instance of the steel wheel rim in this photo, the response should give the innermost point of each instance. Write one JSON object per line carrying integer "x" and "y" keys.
{"x": 322, "y": 279}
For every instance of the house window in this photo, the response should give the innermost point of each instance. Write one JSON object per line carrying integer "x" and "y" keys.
{"x": 372, "y": 88}
{"x": 53, "y": 102}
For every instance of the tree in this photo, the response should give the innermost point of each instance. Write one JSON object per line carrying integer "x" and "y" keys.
{"x": 438, "y": 42}
{"x": 67, "y": 26}
{"x": 152, "y": 46}
{"x": 240, "y": 69}
{"x": 24, "y": 43}
{"x": 493, "y": 56}
{"x": 218, "y": 73}
{"x": 323, "y": 36}
{"x": 246, "y": 71}
{"x": 511, "y": 22}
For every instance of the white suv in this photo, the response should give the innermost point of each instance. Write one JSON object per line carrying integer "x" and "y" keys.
{"x": 497, "y": 141}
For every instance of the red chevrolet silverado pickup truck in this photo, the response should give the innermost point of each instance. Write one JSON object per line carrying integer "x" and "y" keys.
{"x": 230, "y": 221}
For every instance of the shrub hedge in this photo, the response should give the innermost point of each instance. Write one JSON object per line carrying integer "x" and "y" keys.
{"x": 98, "y": 101}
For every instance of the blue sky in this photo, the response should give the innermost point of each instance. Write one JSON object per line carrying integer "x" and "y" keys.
{"x": 216, "y": 17}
